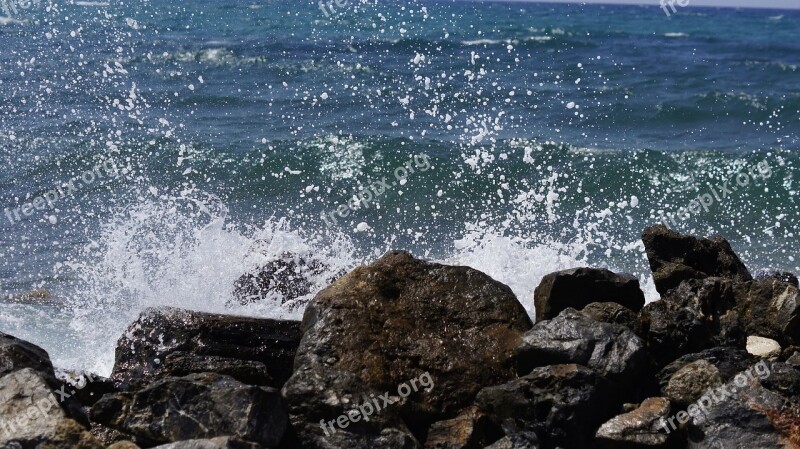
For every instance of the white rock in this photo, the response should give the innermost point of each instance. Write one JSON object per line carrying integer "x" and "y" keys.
{"x": 763, "y": 347}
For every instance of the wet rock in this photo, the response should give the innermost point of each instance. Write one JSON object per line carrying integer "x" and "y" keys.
{"x": 766, "y": 348}
{"x": 39, "y": 297}
{"x": 780, "y": 378}
{"x": 612, "y": 313}
{"x": 388, "y": 323}
{"x": 638, "y": 429}
{"x": 202, "y": 405}
{"x": 32, "y": 418}
{"x": 726, "y": 362}
{"x": 169, "y": 341}
{"x": 287, "y": 277}
{"x": 675, "y": 258}
{"x": 614, "y": 351}
{"x": 770, "y": 308}
{"x": 465, "y": 431}
{"x": 748, "y": 416}
{"x": 214, "y": 443}
{"x": 563, "y": 404}
{"x": 782, "y": 276}
{"x": 691, "y": 382}
{"x": 697, "y": 315}
{"x": 88, "y": 387}
{"x": 522, "y": 440}
{"x": 17, "y": 354}
{"x": 579, "y": 287}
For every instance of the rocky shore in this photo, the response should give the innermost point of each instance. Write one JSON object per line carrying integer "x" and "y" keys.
{"x": 406, "y": 354}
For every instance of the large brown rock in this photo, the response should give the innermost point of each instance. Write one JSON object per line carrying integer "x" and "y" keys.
{"x": 204, "y": 405}
{"x": 176, "y": 342}
{"x": 579, "y": 287}
{"x": 638, "y": 429}
{"x": 387, "y": 323}
{"x": 675, "y": 258}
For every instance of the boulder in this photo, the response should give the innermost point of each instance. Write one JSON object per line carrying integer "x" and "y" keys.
{"x": 612, "y": 313}
{"x": 675, "y": 258}
{"x": 766, "y": 348}
{"x": 286, "y": 278}
{"x": 465, "y": 431}
{"x": 205, "y": 405}
{"x": 123, "y": 445}
{"x": 16, "y": 354}
{"x": 389, "y": 323}
{"x": 638, "y": 429}
{"x": 746, "y": 416}
{"x": 87, "y": 388}
{"x": 614, "y": 351}
{"x": 563, "y": 404}
{"x": 710, "y": 367}
{"x": 175, "y": 342}
{"x": 32, "y": 418}
{"x": 523, "y": 440}
{"x": 770, "y": 308}
{"x": 214, "y": 443}
{"x": 579, "y": 287}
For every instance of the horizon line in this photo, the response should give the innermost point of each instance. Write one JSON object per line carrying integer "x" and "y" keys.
{"x": 640, "y": 3}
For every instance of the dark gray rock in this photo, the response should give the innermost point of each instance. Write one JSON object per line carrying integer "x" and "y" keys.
{"x": 638, "y": 429}
{"x": 614, "y": 351}
{"x": 579, "y": 287}
{"x": 722, "y": 364}
{"x": 32, "y": 418}
{"x": 612, "y": 313}
{"x": 169, "y": 341}
{"x": 203, "y": 405}
{"x": 288, "y": 277}
{"x": 675, "y": 258}
{"x": 563, "y": 404}
{"x": 770, "y": 308}
{"x": 385, "y": 324}
{"x": 16, "y": 354}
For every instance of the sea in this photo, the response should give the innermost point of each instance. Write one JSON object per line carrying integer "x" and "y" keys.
{"x": 153, "y": 151}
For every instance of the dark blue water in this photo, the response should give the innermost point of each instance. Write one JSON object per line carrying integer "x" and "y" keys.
{"x": 540, "y": 137}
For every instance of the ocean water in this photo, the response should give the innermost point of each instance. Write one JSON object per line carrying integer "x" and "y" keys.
{"x": 201, "y": 138}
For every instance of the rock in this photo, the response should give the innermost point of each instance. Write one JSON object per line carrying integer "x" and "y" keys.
{"x": 675, "y": 258}
{"x": 88, "y": 387}
{"x": 524, "y": 440}
{"x": 391, "y": 322}
{"x": 614, "y": 351}
{"x": 612, "y": 313}
{"x": 169, "y": 341}
{"x": 16, "y": 354}
{"x": 285, "y": 278}
{"x": 726, "y": 362}
{"x": 579, "y": 287}
{"x": 563, "y": 404}
{"x": 641, "y": 428}
{"x": 32, "y": 418}
{"x": 214, "y": 443}
{"x": 766, "y": 348}
{"x": 123, "y": 445}
{"x": 202, "y": 405}
{"x": 780, "y": 378}
{"x": 782, "y": 276}
{"x": 771, "y": 309}
{"x": 39, "y": 297}
{"x": 744, "y": 417}
{"x": 691, "y": 382}
{"x": 465, "y": 431}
